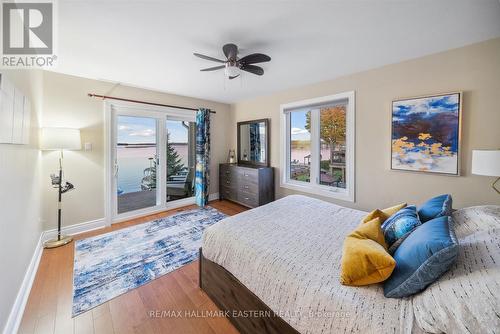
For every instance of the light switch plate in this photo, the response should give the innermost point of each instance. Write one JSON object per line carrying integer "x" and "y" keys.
{"x": 88, "y": 146}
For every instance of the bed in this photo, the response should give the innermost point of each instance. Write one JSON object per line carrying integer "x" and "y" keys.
{"x": 282, "y": 260}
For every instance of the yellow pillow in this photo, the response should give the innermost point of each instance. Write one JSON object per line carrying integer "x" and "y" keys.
{"x": 384, "y": 214}
{"x": 365, "y": 259}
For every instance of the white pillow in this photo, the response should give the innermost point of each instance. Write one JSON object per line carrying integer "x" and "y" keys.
{"x": 466, "y": 298}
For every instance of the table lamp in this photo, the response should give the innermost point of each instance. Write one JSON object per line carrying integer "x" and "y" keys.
{"x": 60, "y": 139}
{"x": 487, "y": 162}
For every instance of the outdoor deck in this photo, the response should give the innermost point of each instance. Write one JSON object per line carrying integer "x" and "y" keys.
{"x": 136, "y": 200}
{"x": 145, "y": 199}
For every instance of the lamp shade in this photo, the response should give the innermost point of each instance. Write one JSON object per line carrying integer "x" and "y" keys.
{"x": 486, "y": 162}
{"x": 60, "y": 139}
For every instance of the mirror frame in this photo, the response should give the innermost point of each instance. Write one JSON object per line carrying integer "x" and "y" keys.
{"x": 251, "y": 163}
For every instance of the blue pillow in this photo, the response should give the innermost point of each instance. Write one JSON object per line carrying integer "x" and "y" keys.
{"x": 435, "y": 207}
{"x": 426, "y": 254}
{"x": 399, "y": 226}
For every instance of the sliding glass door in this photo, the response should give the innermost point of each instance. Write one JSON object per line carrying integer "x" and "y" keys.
{"x": 180, "y": 159}
{"x": 136, "y": 161}
{"x": 152, "y": 160}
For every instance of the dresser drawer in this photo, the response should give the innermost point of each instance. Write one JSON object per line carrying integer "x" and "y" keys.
{"x": 228, "y": 176}
{"x": 228, "y": 193}
{"x": 250, "y": 186}
{"x": 248, "y": 199}
{"x": 228, "y": 169}
{"x": 248, "y": 174}
{"x": 226, "y": 181}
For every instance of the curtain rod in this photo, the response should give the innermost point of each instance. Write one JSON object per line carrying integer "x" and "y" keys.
{"x": 143, "y": 102}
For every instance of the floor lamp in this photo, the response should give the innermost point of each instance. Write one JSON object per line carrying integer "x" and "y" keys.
{"x": 487, "y": 163}
{"x": 60, "y": 139}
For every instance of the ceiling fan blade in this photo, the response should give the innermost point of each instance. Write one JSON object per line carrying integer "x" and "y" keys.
{"x": 255, "y": 58}
{"x": 230, "y": 51}
{"x": 231, "y": 78}
{"x": 213, "y": 68}
{"x": 253, "y": 69}
{"x": 208, "y": 58}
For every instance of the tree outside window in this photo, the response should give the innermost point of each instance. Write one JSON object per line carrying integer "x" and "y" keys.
{"x": 332, "y": 146}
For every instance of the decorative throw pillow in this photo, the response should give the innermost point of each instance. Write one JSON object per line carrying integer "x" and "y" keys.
{"x": 422, "y": 258}
{"x": 365, "y": 259}
{"x": 399, "y": 226}
{"x": 465, "y": 299}
{"x": 435, "y": 207}
{"x": 383, "y": 214}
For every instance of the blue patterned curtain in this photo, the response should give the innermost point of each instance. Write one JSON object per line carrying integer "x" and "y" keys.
{"x": 202, "y": 178}
{"x": 255, "y": 148}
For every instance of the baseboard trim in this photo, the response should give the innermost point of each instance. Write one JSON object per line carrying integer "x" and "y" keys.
{"x": 17, "y": 311}
{"x": 170, "y": 206}
{"x": 75, "y": 229}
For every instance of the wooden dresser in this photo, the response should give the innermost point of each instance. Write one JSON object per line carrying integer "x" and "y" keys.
{"x": 246, "y": 185}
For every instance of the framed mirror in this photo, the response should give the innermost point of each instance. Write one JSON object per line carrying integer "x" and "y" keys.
{"x": 253, "y": 142}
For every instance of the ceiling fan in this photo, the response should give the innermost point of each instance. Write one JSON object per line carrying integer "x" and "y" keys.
{"x": 234, "y": 65}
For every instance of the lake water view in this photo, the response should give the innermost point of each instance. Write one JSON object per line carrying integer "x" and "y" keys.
{"x": 133, "y": 160}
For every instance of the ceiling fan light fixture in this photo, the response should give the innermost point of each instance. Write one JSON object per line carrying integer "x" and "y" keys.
{"x": 232, "y": 70}
{"x": 233, "y": 65}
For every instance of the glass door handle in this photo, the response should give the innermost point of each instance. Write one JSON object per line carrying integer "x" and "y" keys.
{"x": 116, "y": 169}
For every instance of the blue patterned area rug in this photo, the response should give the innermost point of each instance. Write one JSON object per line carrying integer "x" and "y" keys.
{"x": 111, "y": 264}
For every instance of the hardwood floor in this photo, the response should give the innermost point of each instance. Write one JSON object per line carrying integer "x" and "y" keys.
{"x": 49, "y": 305}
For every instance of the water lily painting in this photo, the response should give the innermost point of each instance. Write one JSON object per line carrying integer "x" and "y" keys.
{"x": 426, "y": 134}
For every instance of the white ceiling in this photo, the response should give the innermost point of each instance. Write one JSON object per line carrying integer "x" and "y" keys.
{"x": 150, "y": 43}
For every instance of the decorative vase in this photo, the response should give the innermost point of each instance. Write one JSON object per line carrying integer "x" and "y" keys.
{"x": 231, "y": 159}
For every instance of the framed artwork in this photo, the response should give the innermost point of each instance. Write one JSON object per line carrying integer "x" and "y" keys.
{"x": 426, "y": 134}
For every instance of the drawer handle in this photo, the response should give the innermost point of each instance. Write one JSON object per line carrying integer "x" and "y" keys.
{"x": 246, "y": 187}
{"x": 246, "y": 175}
{"x": 228, "y": 182}
{"x": 247, "y": 198}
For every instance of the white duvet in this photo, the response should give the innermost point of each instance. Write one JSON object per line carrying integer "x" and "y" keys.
{"x": 288, "y": 254}
{"x": 466, "y": 299}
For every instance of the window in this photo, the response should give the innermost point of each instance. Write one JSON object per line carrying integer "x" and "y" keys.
{"x": 318, "y": 146}
{"x": 300, "y": 146}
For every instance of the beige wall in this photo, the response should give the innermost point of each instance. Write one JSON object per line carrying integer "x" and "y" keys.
{"x": 474, "y": 69}
{"x": 20, "y": 225}
{"x": 66, "y": 104}
{"x": 24, "y": 170}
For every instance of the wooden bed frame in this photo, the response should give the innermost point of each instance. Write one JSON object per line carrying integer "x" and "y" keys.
{"x": 231, "y": 295}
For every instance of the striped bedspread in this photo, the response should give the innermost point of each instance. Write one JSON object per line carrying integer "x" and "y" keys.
{"x": 288, "y": 253}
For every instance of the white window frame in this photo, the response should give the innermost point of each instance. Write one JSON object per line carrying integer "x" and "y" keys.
{"x": 313, "y": 187}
